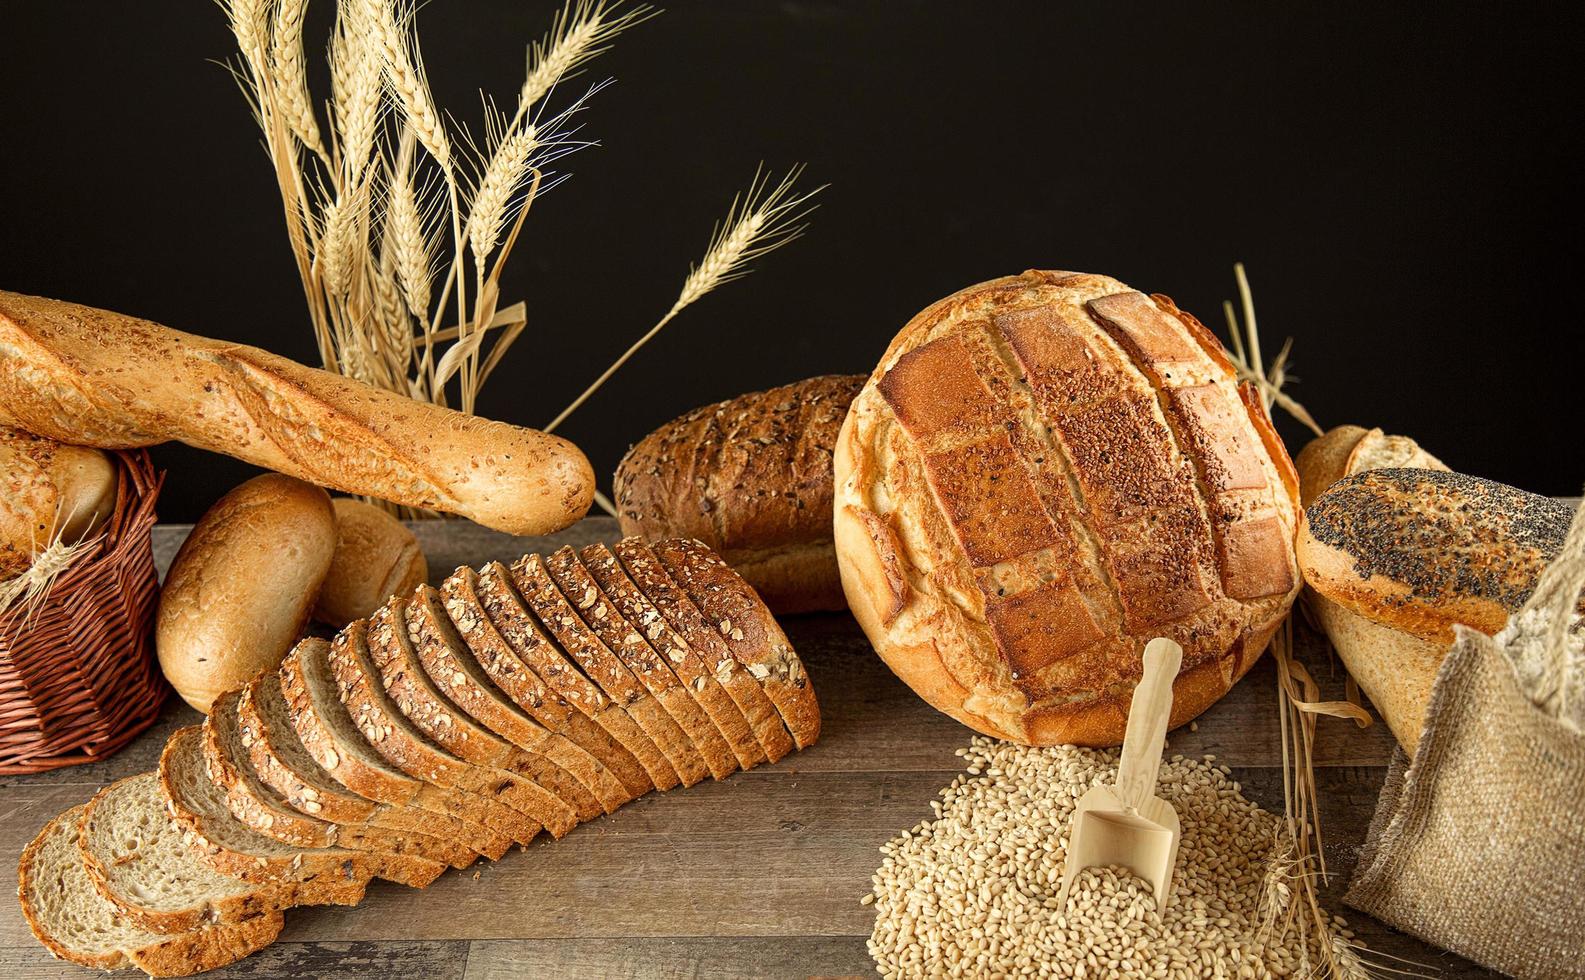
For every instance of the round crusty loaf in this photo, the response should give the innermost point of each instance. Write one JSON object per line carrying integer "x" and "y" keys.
{"x": 1045, "y": 472}
{"x": 1350, "y": 449}
{"x": 243, "y": 584}
{"x": 49, "y": 490}
{"x": 751, "y": 478}
{"x": 376, "y": 557}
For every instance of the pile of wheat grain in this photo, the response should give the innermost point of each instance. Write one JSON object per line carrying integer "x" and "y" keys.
{"x": 973, "y": 892}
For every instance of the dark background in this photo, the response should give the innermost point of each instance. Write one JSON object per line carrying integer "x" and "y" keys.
{"x": 1402, "y": 182}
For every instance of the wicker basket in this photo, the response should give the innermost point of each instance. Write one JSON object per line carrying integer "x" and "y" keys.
{"x": 78, "y": 678}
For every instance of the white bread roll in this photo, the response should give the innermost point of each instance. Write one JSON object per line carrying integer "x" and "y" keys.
{"x": 241, "y": 589}
{"x": 376, "y": 557}
{"x": 49, "y": 490}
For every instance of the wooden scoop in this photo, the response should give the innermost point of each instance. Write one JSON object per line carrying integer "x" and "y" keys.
{"x": 1128, "y": 824}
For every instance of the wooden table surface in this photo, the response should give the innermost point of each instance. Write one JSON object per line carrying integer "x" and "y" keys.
{"x": 759, "y": 875}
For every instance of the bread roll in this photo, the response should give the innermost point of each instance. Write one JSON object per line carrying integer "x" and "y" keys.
{"x": 103, "y": 379}
{"x": 1350, "y": 449}
{"x": 751, "y": 478}
{"x": 49, "y": 490}
{"x": 1045, "y": 472}
{"x": 243, "y": 584}
{"x": 376, "y": 557}
{"x": 1396, "y": 557}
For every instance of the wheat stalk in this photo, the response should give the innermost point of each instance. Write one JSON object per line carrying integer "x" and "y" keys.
{"x": 1247, "y": 357}
{"x": 761, "y": 220}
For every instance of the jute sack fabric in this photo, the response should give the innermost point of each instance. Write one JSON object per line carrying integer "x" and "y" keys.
{"x": 1478, "y": 843}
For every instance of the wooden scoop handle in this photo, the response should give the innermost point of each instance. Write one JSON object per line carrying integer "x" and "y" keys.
{"x": 1147, "y": 723}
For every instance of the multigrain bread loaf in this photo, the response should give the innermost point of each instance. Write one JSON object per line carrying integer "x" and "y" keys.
{"x": 49, "y": 491}
{"x": 242, "y": 587}
{"x": 102, "y": 379}
{"x": 750, "y": 477}
{"x": 1044, "y": 472}
{"x": 376, "y": 557}
{"x": 1350, "y": 449}
{"x": 273, "y": 800}
{"x": 1397, "y": 557}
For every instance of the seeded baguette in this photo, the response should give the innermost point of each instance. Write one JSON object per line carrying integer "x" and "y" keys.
{"x": 674, "y": 603}
{"x": 285, "y": 765}
{"x": 264, "y": 810}
{"x": 332, "y": 736}
{"x": 611, "y": 628}
{"x": 392, "y": 651}
{"x": 691, "y": 671}
{"x": 671, "y": 758}
{"x": 512, "y": 648}
{"x": 749, "y": 629}
{"x": 553, "y": 760}
{"x": 393, "y": 734}
{"x": 75, "y": 923}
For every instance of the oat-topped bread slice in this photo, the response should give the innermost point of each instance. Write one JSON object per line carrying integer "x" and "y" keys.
{"x": 78, "y": 924}
{"x": 553, "y": 760}
{"x": 612, "y": 628}
{"x": 706, "y": 640}
{"x": 690, "y": 669}
{"x": 750, "y": 631}
{"x": 672, "y": 758}
{"x": 387, "y": 727}
{"x": 451, "y": 730}
{"x": 328, "y": 732}
{"x": 508, "y": 643}
{"x": 285, "y": 765}
{"x": 147, "y": 865}
{"x": 264, "y": 810}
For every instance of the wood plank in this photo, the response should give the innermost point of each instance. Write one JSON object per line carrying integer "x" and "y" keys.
{"x": 285, "y": 961}
{"x": 696, "y": 958}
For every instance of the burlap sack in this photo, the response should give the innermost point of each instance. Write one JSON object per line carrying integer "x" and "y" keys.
{"x": 1478, "y": 844}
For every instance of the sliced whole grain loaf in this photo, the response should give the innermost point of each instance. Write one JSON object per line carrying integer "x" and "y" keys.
{"x": 690, "y": 669}
{"x": 264, "y": 810}
{"x": 610, "y": 627}
{"x": 706, "y": 640}
{"x": 553, "y": 760}
{"x": 77, "y": 924}
{"x": 673, "y": 757}
{"x": 145, "y": 863}
{"x": 284, "y": 764}
{"x": 330, "y": 734}
{"x": 508, "y": 644}
{"x": 750, "y": 631}
{"x": 388, "y": 729}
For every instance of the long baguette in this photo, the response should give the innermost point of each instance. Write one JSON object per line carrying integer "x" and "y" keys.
{"x": 96, "y": 378}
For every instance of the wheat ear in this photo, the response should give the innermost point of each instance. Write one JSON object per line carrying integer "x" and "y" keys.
{"x": 503, "y": 176}
{"x": 286, "y": 54}
{"x": 582, "y": 31}
{"x": 29, "y": 589}
{"x": 762, "y": 219}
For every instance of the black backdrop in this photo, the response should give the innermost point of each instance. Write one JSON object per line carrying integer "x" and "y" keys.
{"x": 1402, "y": 181}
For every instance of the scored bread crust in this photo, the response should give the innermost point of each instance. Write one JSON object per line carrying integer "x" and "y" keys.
{"x": 50, "y": 871}
{"x": 1043, "y": 473}
{"x": 527, "y": 664}
{"x": 353, "y": 762}
{"x": 1349, "y": 449}
{"x": 750, "y": 632}
{"x": 641, "y": 613}
{"x": 684, "y": 616}
{"x": 751, "y": 477}
{"x": 610, "y": 627}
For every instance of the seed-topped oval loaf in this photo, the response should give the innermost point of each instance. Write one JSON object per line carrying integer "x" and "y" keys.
{"x": 1044, "y": 472}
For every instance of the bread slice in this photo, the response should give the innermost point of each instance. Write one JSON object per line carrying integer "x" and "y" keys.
{"x": 284, "y": 764}
{"x": 77, "y": 924}
{"x": 392, "y": 734}
{"x": 706, "y": 640}
{"x": 550, "y": 758}
{"x": 483, "y": 621}
{"x": 612, "y": 628}
{"x": 750, "y": 631}
{"x": 146, "y": 865}
{"x": 452, "y": 731}
{"x": 690, "y": 669}
{"x": 673, "y": 758}
{"x": 328, "y": 732}
{"x": 267, "y": 812}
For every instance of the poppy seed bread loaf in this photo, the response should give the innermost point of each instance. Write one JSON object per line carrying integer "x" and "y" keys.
{"x": 1044, "y": 472}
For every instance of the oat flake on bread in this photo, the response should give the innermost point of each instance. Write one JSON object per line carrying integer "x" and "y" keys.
{"x": 972, "y": 892}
